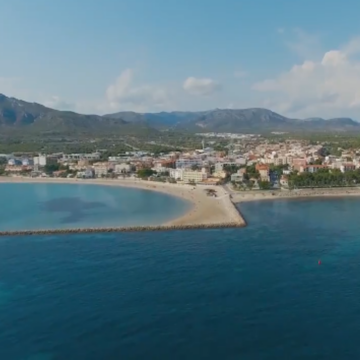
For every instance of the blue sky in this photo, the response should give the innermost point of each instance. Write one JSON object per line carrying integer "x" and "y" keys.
{"x": 299, "y": 58}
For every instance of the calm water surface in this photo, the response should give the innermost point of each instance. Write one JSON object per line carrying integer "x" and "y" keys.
{"x": 251, "y": 294}
{"x": 49, "y": 206}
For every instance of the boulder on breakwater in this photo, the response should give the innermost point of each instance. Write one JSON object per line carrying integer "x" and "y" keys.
{"x": 122, "y": 229}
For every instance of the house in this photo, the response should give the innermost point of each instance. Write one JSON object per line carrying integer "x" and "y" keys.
{"x": 239, "y": 175}
{"x": 312, "y": 168}
{"x": 347, "y": 167}
{"x": 264, "y": 171}
{"x": 298, "y": 163}
{"x": 17, "y": 168}
{"x": 220, "y": 174}
{"x": 284, "y": 181}
{"x": 83, "y": 163}
{"x": 87, "y": 174}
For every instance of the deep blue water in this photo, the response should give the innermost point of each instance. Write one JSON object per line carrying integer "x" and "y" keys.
{"x": 49, "y": 206}
{"x": 251, "y": 294}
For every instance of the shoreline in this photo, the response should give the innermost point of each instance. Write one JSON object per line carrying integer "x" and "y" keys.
{"x": 205, "y": 211}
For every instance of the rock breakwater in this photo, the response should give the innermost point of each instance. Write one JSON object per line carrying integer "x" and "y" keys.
{"x": 122, "y": 229}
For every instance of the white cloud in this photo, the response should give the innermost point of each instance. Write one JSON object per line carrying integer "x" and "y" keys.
{"x": 328, "y": 87}
{"x": 201, "y": 87}
{"x": 352, "y": 47}
{"x": 280, "y": 30}
{"x": 303, "y": 44}
{"x": 124, "y": 95}
{"x": 239, "y": 74}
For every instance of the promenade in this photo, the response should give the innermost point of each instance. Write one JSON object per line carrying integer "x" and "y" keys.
{"x": 257, "y": 195}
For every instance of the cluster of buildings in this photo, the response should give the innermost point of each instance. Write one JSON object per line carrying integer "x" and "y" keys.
{"x": 198, "y": 166}
{"x": 24, "y": 163}
{"x": 203, "y": 166}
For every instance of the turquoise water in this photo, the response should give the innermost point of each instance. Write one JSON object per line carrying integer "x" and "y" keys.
{"x": 256, "y": 293}
{"x": 49, "y": 206}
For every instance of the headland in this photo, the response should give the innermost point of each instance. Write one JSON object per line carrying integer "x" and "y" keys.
{"x": 206, "y": 211}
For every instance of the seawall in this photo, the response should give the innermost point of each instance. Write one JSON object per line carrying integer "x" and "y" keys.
{"x": 122, "y": 229}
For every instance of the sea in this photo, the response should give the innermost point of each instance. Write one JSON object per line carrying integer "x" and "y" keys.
{"x": 31, "y": 206}
{"x": 285, "y": 287}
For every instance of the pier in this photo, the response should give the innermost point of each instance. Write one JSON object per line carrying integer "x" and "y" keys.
{"x": 122, "y": 229}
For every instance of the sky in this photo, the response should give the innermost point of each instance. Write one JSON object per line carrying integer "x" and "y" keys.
{"x": 298, "y": 58}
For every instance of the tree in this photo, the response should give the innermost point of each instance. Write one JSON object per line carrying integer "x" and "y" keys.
{"x": 50, "y": 168}
{"x": 145, "y": 173}
{"x": 264, "y": 185}
{"x": 252, "y": 172}
{"x": 250, "y": 184}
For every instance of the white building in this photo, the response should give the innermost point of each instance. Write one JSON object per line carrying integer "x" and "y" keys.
{"x": 101, "y": 169}
{"x": 195, "y": 176}
{"x": 40, "y": 160}
{"x": 176, "y": 174}
{"x": 120, "y": 158}
{"x": 183, "y": 163}
{"x": 219, "y": 166}
{"x": 122, "y": 168}
{"x": 77, "y": 157}
{"x": 26, "y": 162}
{"x": 87, "y": 174}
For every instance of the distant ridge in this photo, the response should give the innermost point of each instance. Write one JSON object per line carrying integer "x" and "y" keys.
{"x": 16, "y": 115}
{"x": 244, "y": 120}
{"x": 19, "y": 114}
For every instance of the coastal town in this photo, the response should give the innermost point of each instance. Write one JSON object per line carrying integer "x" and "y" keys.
{"x": 247, "y": 162}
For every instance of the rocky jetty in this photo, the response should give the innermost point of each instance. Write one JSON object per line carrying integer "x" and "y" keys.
{"x": 121, "y": 229}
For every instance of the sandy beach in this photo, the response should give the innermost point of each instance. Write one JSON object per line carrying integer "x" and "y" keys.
{"x": 205, "y": 209}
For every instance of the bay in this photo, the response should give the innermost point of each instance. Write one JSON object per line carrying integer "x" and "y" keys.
{"x": 58, "y": 206}
{"x": 251, "y": 293}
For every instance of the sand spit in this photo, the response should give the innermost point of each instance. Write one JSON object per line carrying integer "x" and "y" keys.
{"x": 205, "y": 212}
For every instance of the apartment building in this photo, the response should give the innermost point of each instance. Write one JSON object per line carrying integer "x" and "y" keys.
{"x": 122, "y": 168}
{"x": 102, "y": 168}
{"x": 183, "y": 163}
{"x": 219, "y": 166}
{"x": 195, "y": 176}
{"x": 40, "y": 160}
{"x": 77, "y": 157}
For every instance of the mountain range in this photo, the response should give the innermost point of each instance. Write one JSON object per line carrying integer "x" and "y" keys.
{"x": 33, "y": 117}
